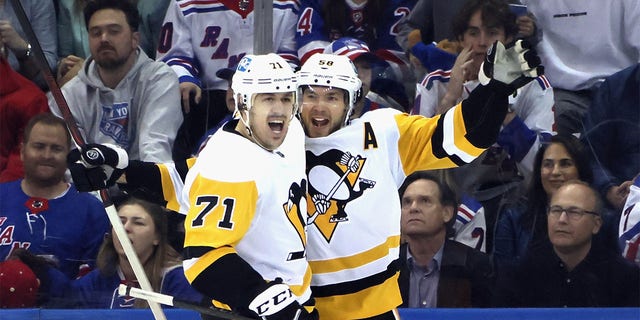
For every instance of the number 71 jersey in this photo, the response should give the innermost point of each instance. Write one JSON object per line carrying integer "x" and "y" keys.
{"x": 248, "y": 201}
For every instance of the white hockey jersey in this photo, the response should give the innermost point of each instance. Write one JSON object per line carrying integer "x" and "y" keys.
{"x": 249, "y": 202}
{"x": 201, "y": 37}
{"x": 359, "y": 168}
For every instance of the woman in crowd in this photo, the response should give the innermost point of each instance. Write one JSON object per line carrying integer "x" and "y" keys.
{"x": 523, "y": 224}
{"x": 146, "y": 226}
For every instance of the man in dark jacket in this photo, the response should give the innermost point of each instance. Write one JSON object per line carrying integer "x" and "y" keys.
{"x": 435, "y": 271}
{"x": 570, "y": 270}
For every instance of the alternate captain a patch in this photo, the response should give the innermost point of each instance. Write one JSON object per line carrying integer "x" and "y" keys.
{"x": 115, "y": 123}
{"x": 328, "y": 197}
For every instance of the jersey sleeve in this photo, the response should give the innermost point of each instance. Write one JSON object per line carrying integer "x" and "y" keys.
{"x": 219, "y": 215}
{"x": 175, "y": 284}
{"x": 470, "y": 224}
{"x": 175, "y": 47}
{"x": 532, "y": 126}
{"x": 429, "y": 92}
{"x": 456, "y": 137}
{"x": 160, "y": 115}
{"x": 310, "y": 35}
{"x": 285, "y": 36}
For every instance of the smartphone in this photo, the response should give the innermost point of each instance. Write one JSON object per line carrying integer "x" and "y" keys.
{"x": 518, "y": 9}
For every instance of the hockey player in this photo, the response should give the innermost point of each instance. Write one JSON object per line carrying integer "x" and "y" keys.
{"x": 245, "y": 228}
{"x": 355, "y": 168}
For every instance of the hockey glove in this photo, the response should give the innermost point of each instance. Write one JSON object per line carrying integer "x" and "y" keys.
{"x": 514, "y": 66}
{"x": 96, "y": 166}
{"x": 277, "y": 302}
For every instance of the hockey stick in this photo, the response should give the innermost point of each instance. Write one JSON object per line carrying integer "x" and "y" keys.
{"x": 168, "y": 300}
{"x": 80, "y": 142}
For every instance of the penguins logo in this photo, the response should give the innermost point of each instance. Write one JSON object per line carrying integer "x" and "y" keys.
{"x": 328, "y": 197}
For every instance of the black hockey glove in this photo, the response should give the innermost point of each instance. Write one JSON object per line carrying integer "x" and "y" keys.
{"x": 277, "y": 302}
{"x": 514, "y": 66}
{"x": 96, "y": 166}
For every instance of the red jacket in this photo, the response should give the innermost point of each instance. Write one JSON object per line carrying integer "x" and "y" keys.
{"x": 20, "y": 99}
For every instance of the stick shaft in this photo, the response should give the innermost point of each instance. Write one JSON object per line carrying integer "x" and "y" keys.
{"x": 80, "y": 142}
{"x": 172, "y": 301}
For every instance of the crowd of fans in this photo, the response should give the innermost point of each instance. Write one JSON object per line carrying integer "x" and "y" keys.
{"x": 545, "y": 217}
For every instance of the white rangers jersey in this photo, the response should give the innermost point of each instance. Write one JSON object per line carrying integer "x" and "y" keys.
{"x": 201, "y": 37}
{"x": 629, "y": 230}
{"x": 246, "y": 206}
{"x": 471, "y": 225}
{"x": 353, "y": 244}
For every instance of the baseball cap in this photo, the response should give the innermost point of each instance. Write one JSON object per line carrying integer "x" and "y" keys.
{"x": 351, "y": 47}
{"x": 18, "y": 285}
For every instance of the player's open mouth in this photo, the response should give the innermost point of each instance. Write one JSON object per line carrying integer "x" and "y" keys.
{"x": 276, "y": 125}
{"x": 319, "y": 122}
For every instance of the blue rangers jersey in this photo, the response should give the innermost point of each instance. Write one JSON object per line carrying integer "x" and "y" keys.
{"x": 312, "y": 35}
{"x": 68, "y": 229}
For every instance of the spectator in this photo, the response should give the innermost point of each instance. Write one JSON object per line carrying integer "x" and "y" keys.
{"x": 435, "y": 271}
{"x": 353, "y": 166}
{"x": 121, "y": 96}
{"x": 146, "y": 227}
{"x": 42, "y": 17}
{"x": 629, "y": 236}
{"x": 73, "y": 39}
{"x": 247, "y": 186}
{"x": 59, "y": 222}
{"x": 612, "y": 133}
{"x": 373, "y": 21}
{"x": 20, "y": 99}
{"x": 573, "y": 271}
{"x": 500, "y": 173}
{"x": 433, "y": 20}
{"x": 523, "y": 223}
{"x": 198, "y": 39}
{"x": 574, "y": 65}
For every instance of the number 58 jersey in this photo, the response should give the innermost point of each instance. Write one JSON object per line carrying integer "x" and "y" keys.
{"x": 247, "y": 206}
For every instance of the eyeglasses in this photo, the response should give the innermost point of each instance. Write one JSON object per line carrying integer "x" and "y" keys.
{"x": 573, "y": 213}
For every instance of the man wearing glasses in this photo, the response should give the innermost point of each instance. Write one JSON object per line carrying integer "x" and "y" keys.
{"x": 571, "y": 270}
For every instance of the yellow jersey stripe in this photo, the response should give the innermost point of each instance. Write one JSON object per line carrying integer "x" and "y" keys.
{"x": 299, "y": 290}
{"x": 362, "y": 304}
{"x": 168, "y": 188}
{"x": 357, "y": 260}
{"x": 195, "y": 268}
